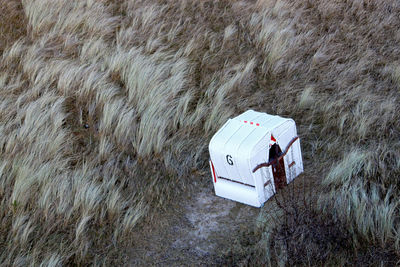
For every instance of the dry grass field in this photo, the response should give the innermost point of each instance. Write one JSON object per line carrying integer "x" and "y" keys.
{"x": 107, "y": 108}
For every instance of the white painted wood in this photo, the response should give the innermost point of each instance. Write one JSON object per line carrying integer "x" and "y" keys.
{"x": 240, "y": 145}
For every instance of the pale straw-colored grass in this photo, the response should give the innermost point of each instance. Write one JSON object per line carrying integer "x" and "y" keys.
{"x": 107, "y": 107}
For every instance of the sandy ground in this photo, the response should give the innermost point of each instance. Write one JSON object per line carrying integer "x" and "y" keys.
{"x": 196, "y": 233}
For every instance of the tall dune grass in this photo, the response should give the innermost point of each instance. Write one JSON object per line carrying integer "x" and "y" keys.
{"x": 107, "y": 108}
{"x": 336, "y": 76}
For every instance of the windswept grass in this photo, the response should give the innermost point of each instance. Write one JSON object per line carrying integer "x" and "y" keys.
{"x": 107, "y": 107}
{"x": 12, "y": 22}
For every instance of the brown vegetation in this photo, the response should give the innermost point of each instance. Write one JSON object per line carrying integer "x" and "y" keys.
{"x": 107, "y": 108}
{"x": 12, "y": 22}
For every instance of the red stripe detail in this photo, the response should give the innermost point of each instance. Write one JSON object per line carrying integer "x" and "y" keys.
{"x": 251, "y": 123}
{"x": 245, "y": 121}
{"x": 213, "y": 170}
{"x": 257, "y": 124}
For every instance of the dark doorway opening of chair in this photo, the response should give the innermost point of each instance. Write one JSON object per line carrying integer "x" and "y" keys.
{"x": 278, "y": 166}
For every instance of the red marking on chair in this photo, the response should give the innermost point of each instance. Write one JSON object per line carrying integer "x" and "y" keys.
{"x": 213, "y": 171}
{"x": 252, "y": 123}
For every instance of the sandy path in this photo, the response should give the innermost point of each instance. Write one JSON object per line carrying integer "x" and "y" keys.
{"x": 197, "y": 232}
